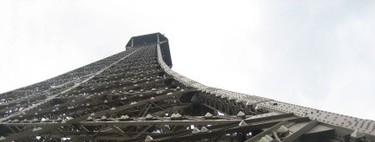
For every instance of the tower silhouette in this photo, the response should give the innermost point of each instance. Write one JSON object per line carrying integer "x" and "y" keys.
{"x": 135, "y": 96}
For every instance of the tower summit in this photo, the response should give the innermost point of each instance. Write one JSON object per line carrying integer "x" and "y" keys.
{"x": 135, "y": 96}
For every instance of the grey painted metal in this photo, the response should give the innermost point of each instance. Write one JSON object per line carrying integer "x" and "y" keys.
{"x": 352, "y": 123}
{"x": 135, "y": 96}
{"x": 268, "y": 131}
{"x": 49, "y": 98}
{"x": 300, "y": 131}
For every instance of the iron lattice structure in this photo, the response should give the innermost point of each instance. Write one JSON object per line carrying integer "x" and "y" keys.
{"x": 135, "y": 96}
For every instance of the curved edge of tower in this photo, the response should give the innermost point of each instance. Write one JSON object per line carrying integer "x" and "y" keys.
{"x": 346, "y": 128}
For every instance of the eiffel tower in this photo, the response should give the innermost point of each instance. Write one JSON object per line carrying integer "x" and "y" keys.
{"x": 135, "y": 96}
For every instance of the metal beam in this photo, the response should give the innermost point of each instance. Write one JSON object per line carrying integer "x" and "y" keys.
{"x": 301, "y": 131}
{"x": 268, "y": 131}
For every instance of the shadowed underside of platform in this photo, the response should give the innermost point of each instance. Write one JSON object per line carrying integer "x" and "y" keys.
{"x": 135, "y": 96}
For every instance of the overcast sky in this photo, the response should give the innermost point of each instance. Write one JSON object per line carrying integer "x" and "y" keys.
{"x": 314, "y": 53}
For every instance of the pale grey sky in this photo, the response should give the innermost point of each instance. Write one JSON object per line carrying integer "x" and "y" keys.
{"x": 319, "y": 54}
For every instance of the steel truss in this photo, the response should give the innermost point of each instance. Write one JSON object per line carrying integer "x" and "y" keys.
{"x": 135, "y": 96}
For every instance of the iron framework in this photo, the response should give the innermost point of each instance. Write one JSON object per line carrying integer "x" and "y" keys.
{"x": 135, "y": 96}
